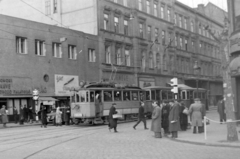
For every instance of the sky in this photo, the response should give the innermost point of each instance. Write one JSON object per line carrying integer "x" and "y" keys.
{"x": 193, "y": 3}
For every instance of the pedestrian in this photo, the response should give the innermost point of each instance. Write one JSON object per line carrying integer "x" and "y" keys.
{"x": 4, "y": 116}
{"x": 15, "y": 115}
{"x": 66, "y": 115}
{"x": 21, "y": 115}
{"x": 201, "y": 128}
{"x": 195, "y": 112}
{"x": 156, "y": 120}
{"x": 25, "y": 113}
{"x": 30, "y": 114}
{"x": 112, "y": 120}
{"x": 165, "y": 114}
{"x": 43, "y": 115}
{"x": 183, "y": 116}
{"x": 58, "y": 117}
{"x": 221, "y": 110}
{"x": 174, "y": 124}
{"x": 141, "y": 116}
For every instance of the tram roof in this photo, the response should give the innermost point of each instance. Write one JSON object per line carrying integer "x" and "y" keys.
{"x": 180, "y": 86}
{"x": 156, "y": 87}
{"x": 101, "y": 86}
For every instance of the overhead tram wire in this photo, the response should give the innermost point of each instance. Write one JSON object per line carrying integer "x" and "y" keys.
{"x": 43, "y": 13}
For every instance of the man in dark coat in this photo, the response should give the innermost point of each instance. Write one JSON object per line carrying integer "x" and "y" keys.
{"x": 21, "y": 115}
{"x": 25, "y": 110}
{"x": 141, "y": 116}
{"x": 165, "y": 114}
{"x": 15, "y": 114}
{"x": 174, "y": 124}
{"x": 44, "y": 116}
{"x": 112, "y": 121}
{"x": 221, "y": 110}
{"x": 66, "y": 115}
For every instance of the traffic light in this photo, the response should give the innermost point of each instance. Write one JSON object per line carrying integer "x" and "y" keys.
{"x": 174, "y": 90}
{"x": 35, "y": 94}
{"x": 174, "y": 84}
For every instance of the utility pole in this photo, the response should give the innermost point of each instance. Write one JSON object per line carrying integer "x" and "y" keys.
{"x": 224, "y": 43}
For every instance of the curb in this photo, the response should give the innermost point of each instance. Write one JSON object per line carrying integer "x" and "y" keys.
{"x": 203, "y": 144}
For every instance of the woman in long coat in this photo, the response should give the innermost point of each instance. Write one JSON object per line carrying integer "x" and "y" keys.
{"x": 165, "y": 114}
{"x": 58, "y": 117}
{"x": 4, "y": 116}
{"x": 196, "y": 112}
{"x": 156, "y": 120}
{"x": 44, "y": 116}
{"x": 174, "y": 124}
{"x": 112, "y": 121}
{"x": 183, "y": 117}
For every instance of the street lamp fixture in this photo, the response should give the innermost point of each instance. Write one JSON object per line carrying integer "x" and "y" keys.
{"x": 197, "y": 68}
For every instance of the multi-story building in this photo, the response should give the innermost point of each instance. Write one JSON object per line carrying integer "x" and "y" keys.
{"x": 44, "y": 57}
{"x": 141, "y": 42}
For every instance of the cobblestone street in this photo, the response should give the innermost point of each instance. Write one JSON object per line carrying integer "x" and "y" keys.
{"x": 97, "y": 142}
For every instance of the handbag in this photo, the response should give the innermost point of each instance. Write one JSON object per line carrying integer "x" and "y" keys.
{"x": 185, "y": 111}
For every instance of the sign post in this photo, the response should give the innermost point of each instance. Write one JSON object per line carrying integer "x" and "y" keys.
{"x": 35, "y": 94}
{"x": 174, "y": 84}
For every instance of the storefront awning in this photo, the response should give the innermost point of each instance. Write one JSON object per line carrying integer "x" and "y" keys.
{"x": 235, "y": 66}
{"x": 47, "y": 99}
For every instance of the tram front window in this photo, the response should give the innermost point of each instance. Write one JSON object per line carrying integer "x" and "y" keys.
{"x": 117, "y": 95}
{"x": 142, "y": 96}
{"x": 92, "y": 97}
{"x": 82, "y": 95}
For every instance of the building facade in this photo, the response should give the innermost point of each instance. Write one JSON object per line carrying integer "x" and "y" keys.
{"x": 44, "y": 57}
{"x": 141, "y": 42}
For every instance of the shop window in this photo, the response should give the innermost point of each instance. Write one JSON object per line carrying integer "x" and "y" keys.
{"x": 126, "y": 95}
{"x": 135, "y": 95}
{"x": 107, "y": 96}
{"x": 117, "y": 95}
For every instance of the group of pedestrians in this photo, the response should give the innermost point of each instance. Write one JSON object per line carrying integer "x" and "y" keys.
{"x": 171, "y": 115}
{"x": 25, "y": 114}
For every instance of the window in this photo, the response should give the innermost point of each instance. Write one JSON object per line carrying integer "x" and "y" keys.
{"x": 162, "y": 12}
{"x": 21, "y": 45}
{"x": 176, "y": 41}
{"x": 158, "y": 61}
{"x": 125, "y": 3}
{"x": 192, "y": 29}
{"x": 150, "y": 60}
{"x": 40, "y": 48}
{"x": 106, "y": 21}
{"x": 168, "y": 15}
{"x": 72, "y": 52}
{"x": 185, "y": 23}
{"x": 107, "y": 96}
{"x": 91, "y": 55}
{"x": 193, "y": 46}
{"x": 180, "y": 41}
{"x": 156, "y": 34}
{"x": 127, "y": 58}
{"x": 118, "y": 56}
{"x": 148, "y": 6}
{"x": 186, "y": 44}
{"x": 200, "y": 47}
{"x": 140, "y": 7}
{"x": 163, "y": 37}
{"x": 164, "y": 62}
{"x": 143, "y": 61}
{"x": 175, "y": 18}
{"x": 47, "y": 7}
{"x": 204, "y": 31}
{"x": 125, "y": 27}
{"x": 149, "y": 32}
{"x": 116, "y": 24}
{"x": 200, "y": 29}
{"x": 117, "y": 95}
{"x": 57, "y": 50}
{"x": 55, "y": 6}
{"x": 126, "y": 95}
{"x": 108, "y": 54}
{"x": 180, "y": 21}
{"x": 134, "y": 95}
{"x": 141, "y": 30}
{"x": 155, "y": 9}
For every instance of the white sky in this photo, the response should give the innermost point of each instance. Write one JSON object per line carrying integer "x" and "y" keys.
{"x": 193, "y": 3}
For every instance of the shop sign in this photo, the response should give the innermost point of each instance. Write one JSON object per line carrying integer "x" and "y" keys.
{"x": 119, "y": 78}
{"x": 64, "y": 83}
{"x": 15, "y": 86}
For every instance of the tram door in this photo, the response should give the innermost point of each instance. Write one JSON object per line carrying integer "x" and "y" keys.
{"x": 98, "y": 103}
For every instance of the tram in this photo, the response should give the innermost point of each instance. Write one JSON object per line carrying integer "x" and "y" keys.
{"x": 185, "y": 94}
{"x": 91, "y": 103}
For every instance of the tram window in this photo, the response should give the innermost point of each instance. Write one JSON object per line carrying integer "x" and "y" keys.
{"x": 117, "y": 95}
{"x": 91, "y": 96}
{"x": 98, "y": 96}
{"x": 191, "y": 95}
{"x": 195, "y": 94}
{"x": 107, "y": 96}
{"x": 82, "y": 96}
{"x": 134, "y": 95}
{"x": 148, "y": 95}
{"x": 164, "y": 94}
{"x": 126, "y": 95}
{"x": 203, "y": 95}
{"x": 73, "y": 98}
{"x": 170, "y": 95}
{"x": 142, "y": 94}
{"x": 188, "y": 95}
{"x": 183, "y": 95}
{"x": 87, "y": 96}
{"x": 158, "y": 95}
{"x": 153, "y": 95}
{"x": 77, "y": 98}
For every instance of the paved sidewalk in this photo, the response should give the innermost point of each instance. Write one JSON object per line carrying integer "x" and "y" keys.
{"x": 13, "y": 125}
{"x": 216, "y": 133}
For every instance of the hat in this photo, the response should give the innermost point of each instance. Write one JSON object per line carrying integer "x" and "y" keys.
{"x": 114, "y": 104}
{"x": 196, "y": 99}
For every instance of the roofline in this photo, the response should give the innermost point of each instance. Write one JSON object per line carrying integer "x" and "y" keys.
{"x": 217, "y": 7}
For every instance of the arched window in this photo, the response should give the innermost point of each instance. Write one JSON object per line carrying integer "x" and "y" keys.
{"x": 158, "y": 62}
{"x": 108, "y": 54}
{"x": 143, "y": 61}
{"x": 127, "y": 57}
{"x": 164, "y": 62}
{"x": 119, "y": 56}
{"x": 150, "y": 60}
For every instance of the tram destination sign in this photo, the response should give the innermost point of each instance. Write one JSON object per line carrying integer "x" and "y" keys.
{"x": 15, "y": 86}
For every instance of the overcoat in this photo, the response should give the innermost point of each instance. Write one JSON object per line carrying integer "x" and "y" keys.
{"x": 183, "y": 117}
{"x": 4, "y": 115}
{"x": 30, "y": 113}
{"x": 112, "y": 121}
{"x": 174, "y": 116}
{"x": 44, "y": 116}
{"x": 165, "y": 114}
{"x": 221, "y": 109}
{"x": 156, "y": 120}
{"x": 66, "y": 114}
{"x": 196, "y": 111}
{"x": 141, "y": 113}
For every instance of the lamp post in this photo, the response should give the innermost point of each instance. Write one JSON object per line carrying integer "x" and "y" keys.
{"x": 197, "y": 68}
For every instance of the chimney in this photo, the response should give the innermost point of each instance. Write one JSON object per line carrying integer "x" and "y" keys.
{"x": 200, "y": 8}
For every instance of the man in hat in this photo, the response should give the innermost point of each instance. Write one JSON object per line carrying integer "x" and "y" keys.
{"x": 141, "y": 116}
{"x": 196, "y": 112}
{"x": 113, "y": 121}
{"x": 174, "y": 123}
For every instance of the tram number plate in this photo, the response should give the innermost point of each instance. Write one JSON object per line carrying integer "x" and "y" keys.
{"x": 78, "y": 115}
